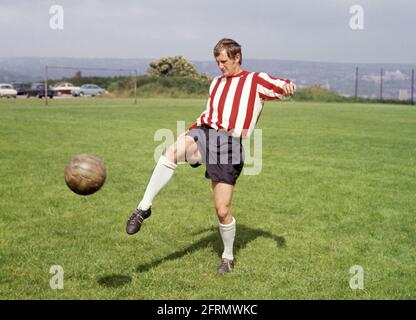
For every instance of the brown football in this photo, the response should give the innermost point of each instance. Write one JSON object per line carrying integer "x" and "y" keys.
{"x": 85, "y": 174}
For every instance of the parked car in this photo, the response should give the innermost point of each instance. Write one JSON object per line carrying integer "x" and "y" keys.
{"x": 7, "y": 90}
{"x": 64, "y": 88}
{"x": 88, "y": 90}
{"x": 38, "y": 90}
{"x": 20, "y": 88}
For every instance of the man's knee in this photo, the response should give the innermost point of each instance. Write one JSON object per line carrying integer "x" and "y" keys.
{"x": 223, "y": 211}
{"x": 176, "y": 152}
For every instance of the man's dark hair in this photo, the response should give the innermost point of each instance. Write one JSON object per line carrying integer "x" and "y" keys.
{"x": 230, "y": 46}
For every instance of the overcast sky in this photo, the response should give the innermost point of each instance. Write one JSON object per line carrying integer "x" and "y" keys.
{"x": 311, "y": 30}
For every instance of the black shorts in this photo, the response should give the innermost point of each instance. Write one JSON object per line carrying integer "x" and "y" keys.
{"x": 221, "y": 152}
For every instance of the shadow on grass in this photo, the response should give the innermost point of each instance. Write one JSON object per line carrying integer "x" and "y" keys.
{"x": 114, "y": 280}
{"x": 244, "y": 235}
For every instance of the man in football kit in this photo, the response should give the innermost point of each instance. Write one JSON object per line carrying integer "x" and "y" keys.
{"x": 235, "y": 103}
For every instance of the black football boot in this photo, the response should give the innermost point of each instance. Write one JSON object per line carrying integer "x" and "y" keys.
{"x": 135, "y": 221}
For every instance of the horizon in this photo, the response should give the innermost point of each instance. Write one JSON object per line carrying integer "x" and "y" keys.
{"x": 209, "y": 61}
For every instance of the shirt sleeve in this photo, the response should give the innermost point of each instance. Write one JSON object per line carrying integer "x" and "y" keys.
{"x": 270, "y": 88}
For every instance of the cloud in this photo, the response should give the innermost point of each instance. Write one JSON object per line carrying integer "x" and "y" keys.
{"x": 315, "y": 30}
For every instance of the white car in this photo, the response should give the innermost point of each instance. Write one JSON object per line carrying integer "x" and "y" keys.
{"x": 7, "y": 90}
{"x": 89, "y": 90}
{"x": 64, "y": 88}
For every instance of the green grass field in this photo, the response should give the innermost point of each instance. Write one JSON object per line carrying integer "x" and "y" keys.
{"x": 337, "y": 189}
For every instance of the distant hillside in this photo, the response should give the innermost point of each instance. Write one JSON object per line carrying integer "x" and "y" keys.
{"x": 33, "y": 69}
{"x": 337, "y": 77}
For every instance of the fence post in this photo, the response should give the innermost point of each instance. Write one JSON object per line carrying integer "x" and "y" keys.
{"x": 381, "y": 84}
{"x": 135, "y": 86}
{"x": 412, "y": 88}
{"x": 46, "y": 85}
{"x": 356, "y": 82}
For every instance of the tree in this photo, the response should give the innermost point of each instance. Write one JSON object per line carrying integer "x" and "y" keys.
{"x": 176, "y": 66}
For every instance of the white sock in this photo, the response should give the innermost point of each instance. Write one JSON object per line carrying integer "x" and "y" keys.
{"x": 227, "y": 232}
{"x": 162, "y": 173}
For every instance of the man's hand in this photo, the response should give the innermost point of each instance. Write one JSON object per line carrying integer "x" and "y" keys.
{"x": 289, "y": 89}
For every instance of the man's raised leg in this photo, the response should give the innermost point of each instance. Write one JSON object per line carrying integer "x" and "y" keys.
{"x": 162, "y": 173}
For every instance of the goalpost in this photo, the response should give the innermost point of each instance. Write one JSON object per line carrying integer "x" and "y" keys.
{"x": 134, "y": 71}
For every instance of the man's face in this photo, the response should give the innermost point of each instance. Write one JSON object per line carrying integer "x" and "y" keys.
{"x": 228, "y": 66}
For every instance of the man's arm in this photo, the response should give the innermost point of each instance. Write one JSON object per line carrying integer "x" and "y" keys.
{"x": 271, "y": 88}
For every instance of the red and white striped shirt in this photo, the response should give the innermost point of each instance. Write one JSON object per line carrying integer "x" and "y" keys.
{"x": 236, "y": 102}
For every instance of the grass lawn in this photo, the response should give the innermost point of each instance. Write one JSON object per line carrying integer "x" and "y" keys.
{"x": 337, "y": 189}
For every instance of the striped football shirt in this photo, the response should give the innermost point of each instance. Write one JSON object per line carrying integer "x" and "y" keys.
{"x": 236, "y": 102}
